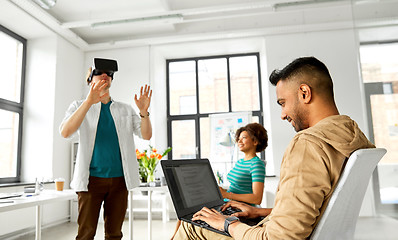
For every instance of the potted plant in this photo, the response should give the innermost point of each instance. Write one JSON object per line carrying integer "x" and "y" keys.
{"x": 148, "y": 160}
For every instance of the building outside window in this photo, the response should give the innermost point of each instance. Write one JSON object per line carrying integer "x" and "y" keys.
{"x": 199, "y": 87}
{"x": 12, "y": 64}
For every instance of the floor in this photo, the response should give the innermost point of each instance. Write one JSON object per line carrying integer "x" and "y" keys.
{"x": 375, "y": 228}
{"x": 67, "y": 231}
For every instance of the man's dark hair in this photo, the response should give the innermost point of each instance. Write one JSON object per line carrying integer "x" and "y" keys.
{"x": 257, "y": 132}
{"x": 313, "y": 72}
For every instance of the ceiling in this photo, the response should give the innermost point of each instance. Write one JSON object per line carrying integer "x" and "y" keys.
{"x": 104, "y": 24}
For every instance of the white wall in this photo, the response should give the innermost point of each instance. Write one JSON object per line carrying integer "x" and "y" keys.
{"x": 54, "y": 68}
{"x": 37, "y": 145}
{"x": 69, "y": 84}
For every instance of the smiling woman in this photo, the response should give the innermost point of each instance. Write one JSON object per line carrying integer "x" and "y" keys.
{"x": 12, "y": 58}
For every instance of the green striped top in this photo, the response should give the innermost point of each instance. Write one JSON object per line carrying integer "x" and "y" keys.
{"x": 244, "y": 174}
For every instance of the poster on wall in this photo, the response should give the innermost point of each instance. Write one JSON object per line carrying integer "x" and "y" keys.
{"x": 224, "y": 151}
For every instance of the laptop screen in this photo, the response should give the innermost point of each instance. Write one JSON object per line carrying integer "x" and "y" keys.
{"x": 192, "y": 185}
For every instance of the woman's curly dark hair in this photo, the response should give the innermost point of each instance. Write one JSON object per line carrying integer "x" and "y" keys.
{"x": 257, "y": 132}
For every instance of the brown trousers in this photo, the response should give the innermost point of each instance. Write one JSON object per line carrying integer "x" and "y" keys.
{"x": 113, "y": 193}
{"x": 188, "y": 231}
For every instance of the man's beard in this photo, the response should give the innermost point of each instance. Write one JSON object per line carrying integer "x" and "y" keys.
{"x": 300, "y": 120}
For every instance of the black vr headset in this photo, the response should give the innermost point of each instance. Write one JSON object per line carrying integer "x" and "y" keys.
{"x": 101, "y": 66}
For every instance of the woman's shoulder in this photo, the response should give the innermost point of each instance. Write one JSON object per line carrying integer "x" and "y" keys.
{"x": 257, "y": 161}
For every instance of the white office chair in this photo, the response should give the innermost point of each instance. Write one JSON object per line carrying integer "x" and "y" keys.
{"x": 341, "y": 214}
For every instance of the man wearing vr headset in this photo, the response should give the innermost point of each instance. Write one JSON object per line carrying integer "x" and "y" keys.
{"x": 106, "y": 164}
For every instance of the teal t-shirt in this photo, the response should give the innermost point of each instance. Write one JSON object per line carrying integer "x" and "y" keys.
{"x": 106, "y": 161}
{"x": 244, "y": 174}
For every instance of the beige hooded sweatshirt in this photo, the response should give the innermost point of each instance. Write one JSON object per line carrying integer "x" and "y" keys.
{"x": 310, "y": 169}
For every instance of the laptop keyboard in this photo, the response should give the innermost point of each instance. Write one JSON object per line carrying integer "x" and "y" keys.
{"x": 230, "y": 211}
{"x": 227, "y": 211}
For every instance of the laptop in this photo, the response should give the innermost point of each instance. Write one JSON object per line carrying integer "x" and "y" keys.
{"x": 192, "y": 186}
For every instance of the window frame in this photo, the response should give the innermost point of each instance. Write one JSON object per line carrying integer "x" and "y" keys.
{"x": 196, "y": 117}
{"x": 16, "y": 107}
{"x": 376, "y": 88}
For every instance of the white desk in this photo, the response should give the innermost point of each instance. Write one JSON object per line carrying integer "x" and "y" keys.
{"x": 131, "y": 217}
{"x": 46, "y": 196}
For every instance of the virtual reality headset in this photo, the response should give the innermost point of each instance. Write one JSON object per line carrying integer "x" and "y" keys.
{"x": 101, "y": 66}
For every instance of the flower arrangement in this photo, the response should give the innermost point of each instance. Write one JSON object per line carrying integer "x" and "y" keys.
{"x": 148, "y": 160}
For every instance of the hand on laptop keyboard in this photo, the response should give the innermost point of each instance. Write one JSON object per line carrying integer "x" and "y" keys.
{"x": 226, "y": 212}
{"x": 202, "y": 223}
{"x": 212, "y": 217}
{"x": 229, "y": 211}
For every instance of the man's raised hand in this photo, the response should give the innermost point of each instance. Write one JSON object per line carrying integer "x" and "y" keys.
{"x": 96, "y": 92}
{"x": 144, "y": 100}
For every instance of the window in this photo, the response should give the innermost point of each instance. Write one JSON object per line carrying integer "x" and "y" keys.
{"x": 380, "y": 78}
{"x": 198, "y": 87}
{"x": 12, "y": 64}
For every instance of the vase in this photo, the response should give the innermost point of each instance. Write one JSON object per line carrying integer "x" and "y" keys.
{"x": 151, "y": 177}
{"x": 152, "y": 184}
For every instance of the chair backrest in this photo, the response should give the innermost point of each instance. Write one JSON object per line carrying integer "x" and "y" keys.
{"x": 341, "y": 214}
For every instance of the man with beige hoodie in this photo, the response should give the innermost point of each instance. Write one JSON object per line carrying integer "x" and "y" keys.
{"x": 311, "y": 165}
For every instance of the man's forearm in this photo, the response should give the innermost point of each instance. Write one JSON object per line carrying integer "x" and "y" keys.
{"x": 238, "y": 229}
{"x": 146, "y": 128}
{"x": 233, "y": 227}
{"x": 75, "y": 120}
